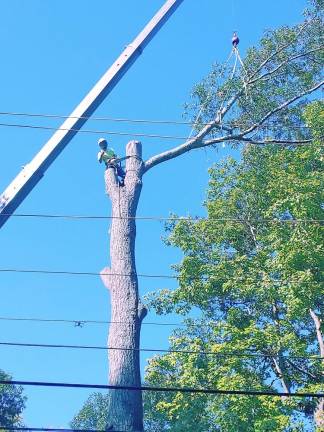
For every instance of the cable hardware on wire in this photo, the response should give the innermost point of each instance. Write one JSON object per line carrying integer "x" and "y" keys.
{"x": 77, "y": 322}
{"x": 163, "y": 219}
{"x": 165, "y": 389}
{"x": 168, "y": 351}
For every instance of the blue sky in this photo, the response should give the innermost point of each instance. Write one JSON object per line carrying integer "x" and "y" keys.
{"x": 52, "y": 53}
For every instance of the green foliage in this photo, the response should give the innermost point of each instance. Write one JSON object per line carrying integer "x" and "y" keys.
{"x": 278, "y": 73}
{"x": 93, "y": 414}
{"x": 253, "y": 272}
{"x": 12, "y": 403}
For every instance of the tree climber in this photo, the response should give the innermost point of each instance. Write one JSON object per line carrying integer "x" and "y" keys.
{"x": 235, "y": 40}
{"x": 109, "y": 157}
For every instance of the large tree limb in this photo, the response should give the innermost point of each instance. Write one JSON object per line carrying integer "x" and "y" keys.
{"x": 198, "y": 141}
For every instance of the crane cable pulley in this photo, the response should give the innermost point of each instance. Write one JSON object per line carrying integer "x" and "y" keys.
{"x": 235, "y": 51}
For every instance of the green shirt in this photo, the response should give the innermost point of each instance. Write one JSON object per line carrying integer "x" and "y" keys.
{"x": 105, "y": 156}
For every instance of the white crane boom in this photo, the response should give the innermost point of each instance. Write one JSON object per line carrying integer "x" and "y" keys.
{"x": 25, "y": 181}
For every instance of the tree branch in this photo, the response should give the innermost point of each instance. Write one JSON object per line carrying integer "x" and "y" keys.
{"x": 261, "y": 77}
{"x": 319, "y": 335}
{"x": 279, "y": 50}
{"x": 293, "y": 365}
{"x": 281, "y": 107}
{"x": 190, "y": 144}
{"x": 280, "y": 375}
{"x": 198, "y": 142}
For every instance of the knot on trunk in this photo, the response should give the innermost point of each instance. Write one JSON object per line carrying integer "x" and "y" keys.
{"x": 141, "y": 311}
{"x": 105, "y": 275}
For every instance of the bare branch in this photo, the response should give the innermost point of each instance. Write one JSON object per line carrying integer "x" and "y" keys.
{"x": 191, "y": 144}
{"x": 319, "y": 334}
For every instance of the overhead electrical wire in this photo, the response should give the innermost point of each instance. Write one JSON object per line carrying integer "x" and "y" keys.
{"x": 79, "y": 273}
{"x": 96, "y": 132}
{"x": 42, "y": 429}
{"x": 130, "y": 120}
{"x": 162, "y": 219}
{"x": 133, "y": 134}
{"x": 143, "y": 275}
{"x": 167, "y": 351}
{"x": 165, "y": 389}
{"x": 80, "y": 323}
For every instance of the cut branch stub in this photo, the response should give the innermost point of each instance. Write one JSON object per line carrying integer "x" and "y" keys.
{"x": 105, "y": 277}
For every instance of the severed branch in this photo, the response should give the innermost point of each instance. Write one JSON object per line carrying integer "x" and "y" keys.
{"x": 198, "y": 141}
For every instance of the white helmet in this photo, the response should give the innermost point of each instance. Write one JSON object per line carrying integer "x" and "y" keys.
{"x": 102, "y": 143}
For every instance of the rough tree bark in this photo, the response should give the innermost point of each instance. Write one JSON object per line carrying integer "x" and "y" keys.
{"x": 127, "y": 312}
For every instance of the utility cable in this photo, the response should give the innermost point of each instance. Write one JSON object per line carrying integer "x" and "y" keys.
{"x": 168, "y": 351}
{"x": 91, "y": 131}
{"x": 203, "y": 278}
{"x": 165, "y": 389}
{"x": 41, "y": 429}
{"x": 133, "y": 134}
{"x": 79, "y": 273}
{"x": 129, "y": 120}
{"x": 81, "y": 323}
{"x": 163, "y": 219}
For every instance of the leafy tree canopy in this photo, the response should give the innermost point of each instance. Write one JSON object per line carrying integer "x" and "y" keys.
{"x": 254, "y": 271}
{"x": 12, "y": 403}
{"x": 93, "y": 414}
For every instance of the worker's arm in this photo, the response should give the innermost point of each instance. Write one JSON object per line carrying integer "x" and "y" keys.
{"x": 100, "y": 154}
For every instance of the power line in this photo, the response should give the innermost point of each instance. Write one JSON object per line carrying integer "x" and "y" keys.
{"x": 80, "y": 323}
{"x": 168, "y": 351}
{"x": 163, "y": 219}
{"x": 41, "y": 429}
{"x": 91, "y": 131}
{"x": 165, "y": 389}
{"x": 143, "y": 275}
{"x": 148, "y": 121}
{"x": 134, "y": 134}
{"x": 79, "y": 273}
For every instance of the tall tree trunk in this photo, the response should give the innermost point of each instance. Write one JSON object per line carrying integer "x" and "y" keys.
{"x": 319, "y": 411}
{"x": 127, "y": 312}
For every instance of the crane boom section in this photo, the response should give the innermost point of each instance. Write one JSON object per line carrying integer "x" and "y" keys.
{"x": 30, "y": 175}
